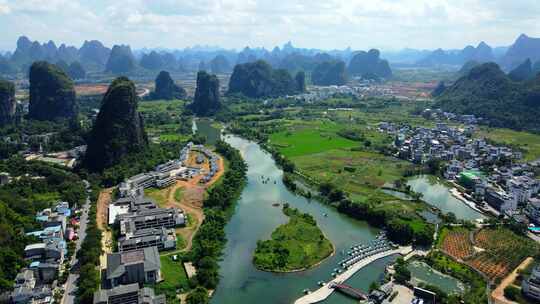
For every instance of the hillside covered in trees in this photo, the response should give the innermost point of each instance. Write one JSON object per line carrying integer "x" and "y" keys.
{"x": 486, "y": 91}
{"x": 329, "y": 73}
{"x": 206, "y": 100}
{"x": 258, "y": 80}
{"x": 369, "y": 65}
{"x": 52, "y": 94}
{"x": 118, "y": 130}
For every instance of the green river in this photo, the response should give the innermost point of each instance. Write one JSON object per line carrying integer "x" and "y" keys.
{"x": 255, "y": 218}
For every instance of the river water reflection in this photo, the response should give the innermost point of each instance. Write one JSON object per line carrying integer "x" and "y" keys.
{"x": 437, "y": 194}
{"x": 255, "y": 218}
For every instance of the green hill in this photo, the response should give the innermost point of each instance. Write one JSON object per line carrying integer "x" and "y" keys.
{"x": 486, "y": 91}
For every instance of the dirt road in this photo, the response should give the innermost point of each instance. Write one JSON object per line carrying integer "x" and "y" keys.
{"x": 498, "y": 294}
{"x": 192, "y": 202}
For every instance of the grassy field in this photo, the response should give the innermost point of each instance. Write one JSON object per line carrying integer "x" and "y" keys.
{"x": 164, "y": 121}
{"x": 178, "y": 194}
{"x": 528, "y": 142}
{"x": 299, "y": 244}
{"x": 310, "y": 138}
{"x": 173, "y": 137}
{"x": 357, "y": 169}
{"x": 174, "y": 278}
{"x": 159, "y": 195}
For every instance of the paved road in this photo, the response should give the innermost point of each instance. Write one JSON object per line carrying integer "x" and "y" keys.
{"x": 71, "y": 283}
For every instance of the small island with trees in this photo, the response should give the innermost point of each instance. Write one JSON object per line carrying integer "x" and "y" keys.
{"x": 295, "y": 246}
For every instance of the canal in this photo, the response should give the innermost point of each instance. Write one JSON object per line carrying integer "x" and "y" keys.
{"x": 255, "y": 218}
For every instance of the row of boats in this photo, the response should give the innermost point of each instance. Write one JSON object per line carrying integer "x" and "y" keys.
{"x": 360, "y": 252}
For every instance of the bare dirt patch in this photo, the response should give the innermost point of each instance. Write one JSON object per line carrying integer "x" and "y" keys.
{"x": 103, "y": 202}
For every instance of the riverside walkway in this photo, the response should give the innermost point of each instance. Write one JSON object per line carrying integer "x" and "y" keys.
{"x": 325, "y": 291}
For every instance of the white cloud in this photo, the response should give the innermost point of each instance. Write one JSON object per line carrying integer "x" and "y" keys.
{"x": 236, "y": 23}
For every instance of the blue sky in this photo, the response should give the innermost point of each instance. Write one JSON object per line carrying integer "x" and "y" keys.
{"x": 325, "y": 24}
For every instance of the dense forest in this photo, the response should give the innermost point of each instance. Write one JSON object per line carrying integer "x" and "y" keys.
{"x": 35, "y": 186}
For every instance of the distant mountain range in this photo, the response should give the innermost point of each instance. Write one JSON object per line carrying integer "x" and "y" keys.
{"x": 94, "y": 56}
{"x": 481, "y": 53}
{"x": 523, "y": 49}
{"x": 120, "y": 59}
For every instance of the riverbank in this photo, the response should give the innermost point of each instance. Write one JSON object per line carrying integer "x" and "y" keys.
{"x": 455, "y": 193}
{"x": 295, "y": 246}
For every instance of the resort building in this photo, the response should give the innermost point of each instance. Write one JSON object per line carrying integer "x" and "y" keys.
{"x": 163, "y": 239}
{"x": 128, "y": 294}
{"x": 151, "y": 218}
{"x": 140, "y": 266}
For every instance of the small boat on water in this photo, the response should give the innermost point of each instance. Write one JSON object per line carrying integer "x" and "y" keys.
{"x": 325, "y": 214}
{"x": 275, "y": 204}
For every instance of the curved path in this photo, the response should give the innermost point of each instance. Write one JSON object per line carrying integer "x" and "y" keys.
{"x": 325, "y": 291}
{"x": 188, "y": 208}
{"x": 192, "y": 201}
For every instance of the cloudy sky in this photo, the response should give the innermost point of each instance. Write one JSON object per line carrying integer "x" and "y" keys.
{"x": 325, "y": 24}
